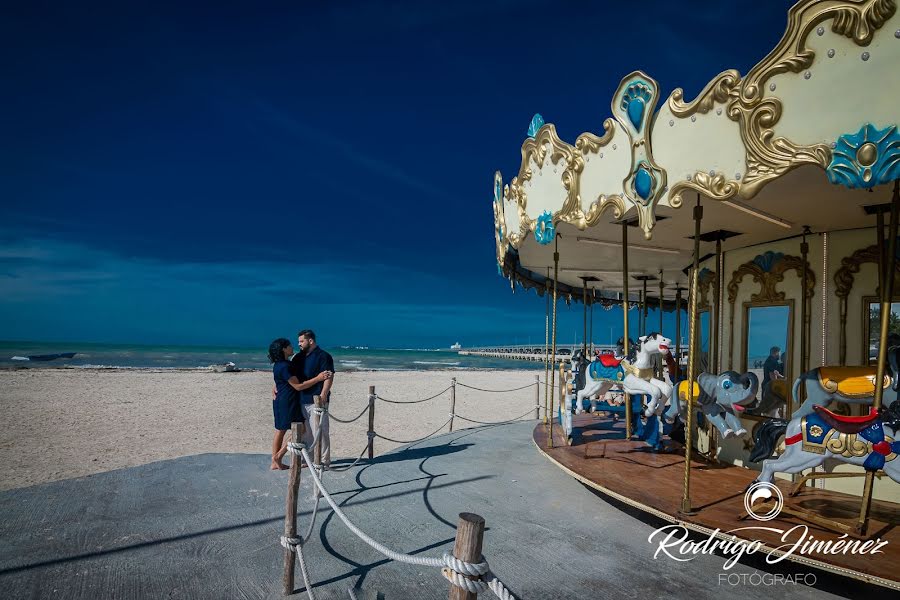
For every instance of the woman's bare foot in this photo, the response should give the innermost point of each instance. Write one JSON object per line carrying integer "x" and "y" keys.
{"x": 278, "y": 466}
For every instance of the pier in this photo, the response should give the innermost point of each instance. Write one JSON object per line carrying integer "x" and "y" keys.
{"x": 530, "y": 352}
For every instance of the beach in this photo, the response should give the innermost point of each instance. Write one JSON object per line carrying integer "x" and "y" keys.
{"x": 64, "y": 423}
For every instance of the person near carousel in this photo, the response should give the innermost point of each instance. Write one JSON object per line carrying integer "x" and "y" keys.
{"x": 286, "y": 397}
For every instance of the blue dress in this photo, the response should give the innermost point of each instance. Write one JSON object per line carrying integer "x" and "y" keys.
{"x": 286, "y": 405}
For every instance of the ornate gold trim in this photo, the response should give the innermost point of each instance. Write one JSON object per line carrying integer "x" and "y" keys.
{"x": 716, "y": 91}
{"x": 769, "y": 280}
{"x": 589, "y": 143}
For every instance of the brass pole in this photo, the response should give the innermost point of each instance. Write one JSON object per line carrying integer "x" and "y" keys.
{"x": 625, "y": 320}
{"x": 686, "y": 507}
{"x": 547, "y": 346}
{"x": 677, "y": 335}
{"x": 661, "y": 286}
{"x": 714, "y": 311}
{"x": 584, "y": 301}
{"x": 591, "y": 343}
{"x": 886, "y": 296}
{"x": 644, "y": 309}
{"x": 804, "y": 315}
{"x": 553, "y": 350}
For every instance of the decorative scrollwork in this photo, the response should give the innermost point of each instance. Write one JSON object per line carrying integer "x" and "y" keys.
{"x": 716, "y": 91}
{"x": 715, "y": 186}
{"x": 768, "y": 279}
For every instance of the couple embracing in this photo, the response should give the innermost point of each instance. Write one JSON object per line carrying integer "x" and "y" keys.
{"x": 298, "y": 378}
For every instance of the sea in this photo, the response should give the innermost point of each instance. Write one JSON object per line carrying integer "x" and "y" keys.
{"x": 13, "y": 355}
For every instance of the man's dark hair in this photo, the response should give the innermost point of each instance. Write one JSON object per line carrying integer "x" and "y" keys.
{"x": 308, "y": 334}
{"x": 772, "y": 350}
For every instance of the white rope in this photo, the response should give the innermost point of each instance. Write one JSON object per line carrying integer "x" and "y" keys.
{"x": 414, "y": 401}
{"x": 343, "y": 468}
{"x": 454, "y": 566}
{"x": 471, "y": 387}
{"x": 357, "y": 417}
{"x": 435, "y": 432}
{"x": 305, "y": 573}
{"x": 530, "y": 411}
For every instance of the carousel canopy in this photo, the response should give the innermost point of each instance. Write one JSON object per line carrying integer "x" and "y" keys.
{"x": 800, "y": 140}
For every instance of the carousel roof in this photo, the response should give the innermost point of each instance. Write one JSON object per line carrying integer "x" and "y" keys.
{"x": 798, "y": 141}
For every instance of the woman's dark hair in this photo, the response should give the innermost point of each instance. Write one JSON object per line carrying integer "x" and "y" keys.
{"x": 276, "y": 349}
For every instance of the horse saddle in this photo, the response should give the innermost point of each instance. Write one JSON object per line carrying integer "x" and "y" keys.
{"x": 779, "y": 387}
{"x": 850, "y": 382}
{"x": 847, "y": 424}
{"x": 609, "y": 360}
{"x": 683, "y": 389}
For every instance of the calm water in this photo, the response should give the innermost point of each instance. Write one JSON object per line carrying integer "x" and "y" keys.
{"x": 185, "y": 357}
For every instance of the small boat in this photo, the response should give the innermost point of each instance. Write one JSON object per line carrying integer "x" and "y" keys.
{"x": 45, "y": 357}
{"x": 228, "y": 367}
{"x": 456, "y": 346}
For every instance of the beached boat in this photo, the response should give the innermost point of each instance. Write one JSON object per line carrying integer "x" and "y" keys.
{"x": 780, "y": 256}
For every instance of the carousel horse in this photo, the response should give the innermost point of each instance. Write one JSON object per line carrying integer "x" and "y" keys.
{"x": 815, "y": 435}
{"x": 870, "y": 442}
{"x": 720, "y": 398}
{"x": 598, "y": 376}
{"x": 853, "y": 385}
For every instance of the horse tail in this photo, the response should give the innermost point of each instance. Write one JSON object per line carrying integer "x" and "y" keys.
{"x": 766, "y": 438}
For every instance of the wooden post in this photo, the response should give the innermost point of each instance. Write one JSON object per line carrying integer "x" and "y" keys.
{"x": 371, "y": 432}
{"x": 290, "y": 512}
{"x": 537, "y": 396}
{"x": 468, "y": 546}
{"x": 452, "y": 401}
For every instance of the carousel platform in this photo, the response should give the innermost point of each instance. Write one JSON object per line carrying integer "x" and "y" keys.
{"x": 631, "y": 473}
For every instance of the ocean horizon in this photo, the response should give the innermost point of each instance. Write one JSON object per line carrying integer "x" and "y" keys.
{"x": 93, "y": 355}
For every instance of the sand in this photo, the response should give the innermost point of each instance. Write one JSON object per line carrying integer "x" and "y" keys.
{"x": 64, "y": 423}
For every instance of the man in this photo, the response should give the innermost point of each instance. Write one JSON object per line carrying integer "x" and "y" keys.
{"x": 773, "y": 367}
{"x": 312, "y": 359}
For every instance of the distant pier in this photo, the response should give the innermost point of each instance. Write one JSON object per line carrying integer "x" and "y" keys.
{"x": 530, "y": 352}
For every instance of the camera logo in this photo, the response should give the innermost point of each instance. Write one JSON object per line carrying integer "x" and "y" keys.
{"x": 765, "y": 491}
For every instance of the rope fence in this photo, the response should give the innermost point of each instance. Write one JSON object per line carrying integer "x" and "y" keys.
{"x": 470, "y": 573}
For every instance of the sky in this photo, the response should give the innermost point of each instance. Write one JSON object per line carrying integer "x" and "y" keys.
{"x": 229, "y": 172}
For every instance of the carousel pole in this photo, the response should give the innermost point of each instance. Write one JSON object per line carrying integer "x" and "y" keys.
{"x": 714, "y": 312}
{"x": 644, "y": 309}
{"x": 686, "y": 507}
{"x": 547, "y": 346}
{"x": 553, "y": 349}
{"x": 662, "y": 363}
{"x": 591, "y": 343}
{"x": 886, "y": 290}
{"x": 804, "y": 316}
{"x": 625, "y": 320}
{"x": 584, "y": 302}
{"x": 677, "y": 333}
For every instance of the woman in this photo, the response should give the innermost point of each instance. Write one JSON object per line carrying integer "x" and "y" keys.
{"x": 286, "y": 402}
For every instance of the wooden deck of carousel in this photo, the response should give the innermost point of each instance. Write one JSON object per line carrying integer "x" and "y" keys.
{"x": 628, "y": 471}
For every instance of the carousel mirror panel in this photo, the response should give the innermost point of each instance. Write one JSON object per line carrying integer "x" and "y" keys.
{"x": 872, "y": 326}
{"x": 767, "y": 346}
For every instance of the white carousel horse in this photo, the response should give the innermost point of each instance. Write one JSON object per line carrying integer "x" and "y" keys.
{"x": 636, "y": 377}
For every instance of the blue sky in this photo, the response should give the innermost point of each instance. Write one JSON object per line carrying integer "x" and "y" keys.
{"x": 229, "y": 172}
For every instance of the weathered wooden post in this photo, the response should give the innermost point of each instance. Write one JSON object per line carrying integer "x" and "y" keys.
{"x": 537, "y": 396}
{"x": 290, "y": 513}
{"x": 371, "y": 432}
{"x": 452, "y": 401}
{"x": 468, "y": 546}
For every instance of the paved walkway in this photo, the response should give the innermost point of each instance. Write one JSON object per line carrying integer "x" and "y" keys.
{"x": 207, "y": 526}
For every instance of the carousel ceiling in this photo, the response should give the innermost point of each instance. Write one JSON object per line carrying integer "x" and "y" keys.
{"x": 800, "y": 140}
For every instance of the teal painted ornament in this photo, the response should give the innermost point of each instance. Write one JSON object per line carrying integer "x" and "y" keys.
{"x": 537, "y": 121}
{"x": 768, "y": 260}
{"x": 545, "y": 231}
{"x": 643, "y": 182}
{"x": 866, "y": 158}
{"x": 634, "y": 102}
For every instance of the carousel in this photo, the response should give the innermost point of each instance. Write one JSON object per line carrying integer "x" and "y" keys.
{"x": 764, "y": 214}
